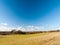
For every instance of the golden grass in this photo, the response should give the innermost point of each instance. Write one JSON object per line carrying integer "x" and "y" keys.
{"x": 30, "y": 39}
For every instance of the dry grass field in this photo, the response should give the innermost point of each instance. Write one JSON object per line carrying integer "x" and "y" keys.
{"x": 50, "y": 38}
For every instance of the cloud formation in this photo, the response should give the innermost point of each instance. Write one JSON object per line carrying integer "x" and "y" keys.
{"x": 5, "y": 24}
{"x": 35, "y": 28}
{"x": 5, "y": 27}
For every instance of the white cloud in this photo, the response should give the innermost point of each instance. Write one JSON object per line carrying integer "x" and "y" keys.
{"x": 5, "y": 27}
{"x": 20, "y": 28}
{"x": 5, "y": 24}
{"x": 35, "y": 28}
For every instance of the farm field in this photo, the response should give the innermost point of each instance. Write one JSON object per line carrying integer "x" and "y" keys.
{"x": 49, "y": 38}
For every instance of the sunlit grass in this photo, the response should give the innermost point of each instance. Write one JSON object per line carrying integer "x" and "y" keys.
{"x": 21, "y": 39}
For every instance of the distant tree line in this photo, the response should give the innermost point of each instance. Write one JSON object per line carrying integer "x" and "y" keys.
{"x": 24, "y": 32}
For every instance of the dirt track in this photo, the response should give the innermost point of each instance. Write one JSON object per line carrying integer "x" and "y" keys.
{"x": 49, "y": 39}
{"x": 52, "y": 39}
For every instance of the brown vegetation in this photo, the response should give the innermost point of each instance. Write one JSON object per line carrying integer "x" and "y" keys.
{"x": 24, "y": 32}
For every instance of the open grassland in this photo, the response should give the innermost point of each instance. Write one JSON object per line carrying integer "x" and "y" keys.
{"x": 31, "y": 39}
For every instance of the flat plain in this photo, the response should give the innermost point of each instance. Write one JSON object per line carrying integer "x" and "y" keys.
{"x": 49, "y": 38}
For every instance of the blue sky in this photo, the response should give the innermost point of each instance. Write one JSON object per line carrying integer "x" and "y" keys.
{"x": 41, "y": 13}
